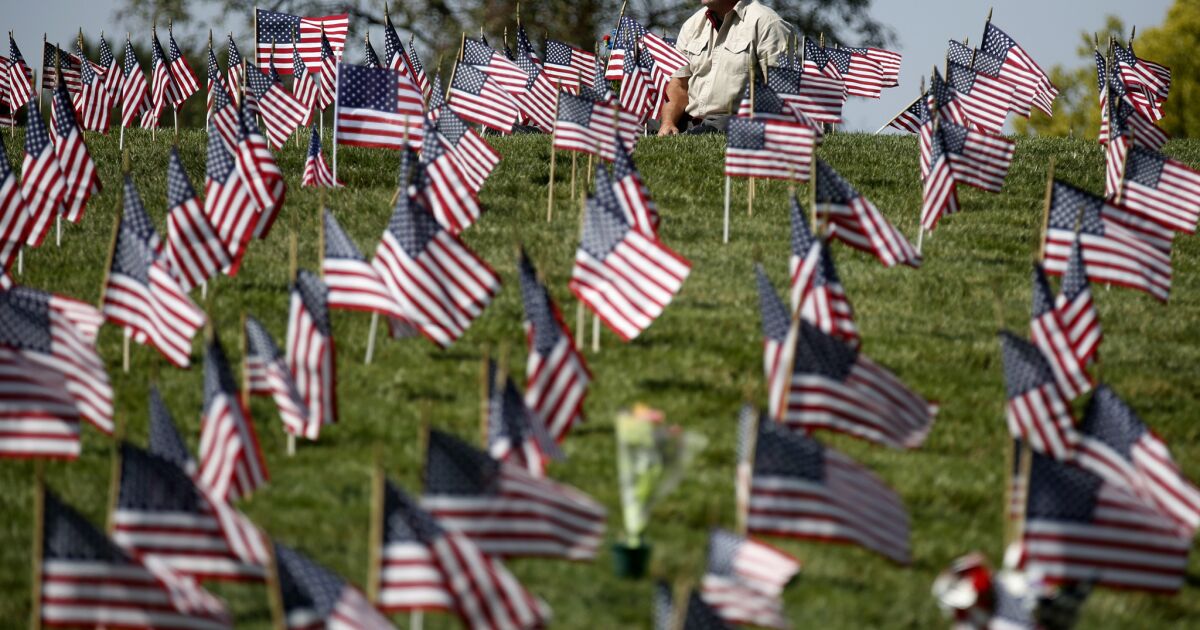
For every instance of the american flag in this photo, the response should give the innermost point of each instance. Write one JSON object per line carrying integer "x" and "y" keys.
{"x": 556, "y": 375}
{"x": 913, "y": 117}
{"x": 443, "y": 187}
{"x": 505, "y": 510}
{"x": 801, "y": 489}
{"x": 419, "y": 75}
{"x": 1049, "y": 333}
{"x": 981, "y": 99}
{"x": 142, "y": 294}
{"x": 370, "y": 57}
{"x": 516, "y": 434}
{"x": 862, "y": 75}
{"x": 428, "y": 567}
{"x": 816, "y": 290}
{"x": 978, "y": 159}
{"x": 164, "y": 441}
{"x": 440, "y": 285}
{"x": 1036, "y": 411}
{"x": 20, "y": 76}
{"x": 1117, "y": 248}
{"x": 315, "y": 597}
{"x": 304, "y": 85}
{"x": 782, "y": 97}
{"x": 135, "y": 98}
{"x": 568, "y": 65}
{"x": 316, "y": 171}
{"x": 43, "y": 184}
{"x": 524, "y": 46}
{"x": 1160, "y": 71}
{"x": 637, "y": 91}
{"x": 1122, "y": 127}
{"x": 377, "y": 107}
{"x": 858, "y": 222}
{"x": 1138, "y": 73}
{"x": 1021, "y": 95}
{"x": 632, "y": 196}
{"x": 281, "y": 112}
{"x": 475, "y": 157}
{"x": 1017, "y": 66}
{"x": 508, "y": 75}
{"x": 74, "y": 160}
{"x": 326, "y": 79}
{"x": 194, "y": 248}
{"x": 181, "y": 72}
{"x": 940, "y": 192}
{"x": 479, "y": 99}
{"x": 767, "y": 104}
{"x": 53, "y": 58}
{"x": 588, "y": 126}
{"x": 1076, "y": 308}
{"x": 267, "y": 374}
{"x": 94, "y": 100}
{"x": 833, "y": 386}
{"x": 88, "y": 581}
{"x": 667, "y": 60}
{"x": 626, "y": 277}
{"x": 888, "y": 60}
{"x": 745, "y": 578}
{"x": 311, "y": 353}
{"x": 258, "y": 170}
{"x": 539, "y": 99}
{"x": 228, "y": 201}
{"x": 353, "y": 283}
{"x": 817, "y": 60}
{"x": 1080, "y": 527}
{"x": 769, "y": 149}
{"x": 111, "y": 75}
{"x": 1161, "y": 189}
{"x": 162, "y": 86}
{"x": 600, "y": 89}
{"x": 42, "y": 421}
{"x": 14, "y": 218}
{"x": 700, "y": 616}
{"x": 776, "y": 324}
{"x": 231, "y": 462}
{"x": 816, "y": 96}
{"x": 161, "y": 513}
{"x": 233, "y": 63}
{"x": 393, "y": 48}
{"x": 275, "y": 37}
{"x": 214, "y": 82}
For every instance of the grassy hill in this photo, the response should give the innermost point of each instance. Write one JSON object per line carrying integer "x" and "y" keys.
{"x": 933, "y": 326}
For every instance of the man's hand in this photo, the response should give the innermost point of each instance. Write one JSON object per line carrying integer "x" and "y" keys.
{"x": 677, "y": 101}
{"x": 668, "y": 129}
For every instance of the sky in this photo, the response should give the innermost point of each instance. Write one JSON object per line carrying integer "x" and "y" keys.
{"x": 1047, "y": 29}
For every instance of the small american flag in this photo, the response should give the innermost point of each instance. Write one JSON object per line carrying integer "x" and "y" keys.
{"x": 588, "y": 126}
{"x": 769, "y": 149}
{"x": 600, "y": 90}
{"x": 393, "y": 48}
{"x": 231, "y": 463}
{"x": 227, "y": 201}
{"x": 426, "y": 567}
{"x": 313, "y": 596}
{"x": 667, "y": 60}
{"x": 377, "y": 107}
{"x": 508, "y": 75}
{"x": 326, "y": 79}
{"x": 816, "y": 290}
{"x": 1118, "y": 247}
{"x": 632, "y": 196}
{"x": 181, "y": 72}
{"x": 14, "y": 219}
{"x": 745, "y": 578}
{"x": 53, "y": 57}
{"x": 516, "y": 434}
{"x": 811, "y": 95}
{"x": 858, "y": 222}
{"x": 888, "y": 60}
{"x": 626, "y": 277}
{"x": 1163, "y": 190}
{"x": 194, "y": 248}
{"x": 267, "y": 374}
{"x": 801, "y": 489}
{"x": 1076, "y": 308}
{"x": 1017, "y": 66}
{"x": 568, "y": 65}
{"x": 142, "y": 294}
{"x": 275, "y": 37}
{"x": 637, "y": 91}
{"x": 913, "y": 117}
{"x": 775, "y": 329}
{"x": 940, "y": 192}
{"x": 479, "y": 99}
{"x": 443, "y": 187}
{"x": 524, "y": 46}
{"x": 233, "y": 63}
{"x": 862, "y": 75}
{"x": 540, "y": 97}
{"x": 981, "y": 99}
{"x": 506, "y": 511}
{"x": 1138, "y": 73}
{"x": 353, "y": 283}
{"x": 311, "y": 353}
{"x": 162, "y": 86}
{"x": 556, "y": 375}
{"x": 20, "y": 76}
{"x": 370, "y": 57}
{"x": 135, "y": 98}
{"x": 1036, "y": 411}
{"x": 88, "y": 581}
{"x": 419, "y": 75}
{"x": 304, "y": 84}
{"x": 75, "y": 162}
{"x": 214, "y": 82}
{"x": 165, "y": 442}
{"x": 440, "y": 284}
{"x": 161, "y": 513}
{"x": 258, "y": 170}
{"x": 1021, "y": 94}
{"x": 42, "y": 182}
{"x": 1049, "y": 334}
{"x": 475, "y": 157}
{"x": 817, "y": 60}
{"x": 770, "y": 104}
{"x": 40, "y": 419}
{"x": 281, "y": 112}
{"x": 316, "y": 171}
{"x": 94, "y": 100}
{"x": 1080, "y": 527}
{"x": 978, "y": 159}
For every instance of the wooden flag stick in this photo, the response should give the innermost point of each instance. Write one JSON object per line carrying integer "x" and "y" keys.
{"x": 370, "y": 353}
{"x": 1046, "y": 209}
{"x": 595, "y": 333}
{"x": 274, "y": 591}
{"x": 745, "y": 473}
{"x": 728, "y": 189}
{"x": 580, "y": 322}
{"x": 375, "y": 528}
{"x": 574, "y": 166}
{"x": 293, "y": 272}
{"x": 39, "y": 524}
{"x": 751, "y": 65}
{"x": 114, "y": 477}
{"x": 485, "y": 390}
{"x": 550, "y": 191}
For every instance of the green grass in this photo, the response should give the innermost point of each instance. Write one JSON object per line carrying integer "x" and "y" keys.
{"x": 933, "y": 326}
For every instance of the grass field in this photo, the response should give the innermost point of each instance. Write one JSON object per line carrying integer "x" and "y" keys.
{"x": 933, "y": 326}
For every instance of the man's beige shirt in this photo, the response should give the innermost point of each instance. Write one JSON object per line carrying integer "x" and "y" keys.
{"x": 717, "y": 60}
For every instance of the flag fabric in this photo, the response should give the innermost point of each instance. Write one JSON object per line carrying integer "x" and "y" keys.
{"x": 769, "y": 149}
{"x": 235, "y": 70}
{"x": 1080, "y": 527}
{"x": 478, "y": 98}
{"x": 745, "y": 578}
{"x": 162, "y": 86}
{"x": 862, "y": 75}
{"x": 316, "y": 171}
{"x": 810, "y": 95}
{"x": 632, "y": 196}
{"x": 524, "y": 46}
{"x": 377, "y": 107}
{"x": 912, "y": 118}
{"x": 816, "y": 59}
{"x": 304, "y": 85}
{"x": 626, "y": 277}
{"x": 858, "y": 223}
{"x": 43, "y": 184}
{"x": 135, "y": 98}
{"x": 440, "y": 285}
{"x": 442, "y": 186}
{"x": 889, "y": 61}
{"x": 268, "y": 374}
{"x": 20, "y": 81}
{"x": 88, "y": 581}
{"x": 94, "y": 100}
{"x": 1137, "y": 72}
{"x": 257, "y": 168}
{"x": 353, "y": 283}
{"x": 142, "y": 293}
{"x": 14, "y": 218}
{"x": 556, "y": 375}
{"x": 816, "y": 291}
{"x": 1037, "y": 411}
{"x": 981, "y": 99}
{"x": 516, "y": 434}
{"x": 476, "y": 159}
{"x": 214, "y": 81}
{"x": 1114, "y": 251}
{"x": 765, "y": 103}
{"x": 161, "y": 513}
{"x": 326, "y": 80}
{"x": 503, "y": 509}
{"x": 539, "y": 99}
{"x": 74, "y": 160}
{"x": 393, "y": 49}
{"x": 311, "y": 353}
{"x": 53, "y": 58}
{"x": 835, "y": 387}
{"x": 588, "y": 126}
{"x": 194, "y": 248}
{"x": 1161, "y": 189}
{"x": 314, "y": 597}
{"x": 276, "y": 36}
{"x": 1118, "y": 447}
{"x": 1076, "y": 308}
{"x": 1018, "y": 97}
{"x": 939, "y": 195}
{"x": 419, "y": 75}
{"x": 568, "y": 65}
{"x": 38, "y": 417}
{"x": 428, "y": 567}
{"x": 1049, "y": 333}
{"x": 637, "y": 93}
{"x": 667, "y": 59}
{"x": 978, "y": 159}
{"x": 181, "y": 73}
{"x": 801, "y": 489}
{"x": 506, "y": 74}
{"x": 776, "y": 326}
{"x": 231, "y": 462}
{"x": 164, "y": 441}
{"x": 228, "y": 202}
{"x": 1017, "y": 66}
{"x": 370, "y": 57}
{"x": 281, "y": 112}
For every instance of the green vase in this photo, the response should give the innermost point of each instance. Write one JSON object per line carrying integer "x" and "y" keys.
{"x": 630, "y": 562}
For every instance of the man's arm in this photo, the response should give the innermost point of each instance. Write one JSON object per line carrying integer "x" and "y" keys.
{"x": 677, "y": 102}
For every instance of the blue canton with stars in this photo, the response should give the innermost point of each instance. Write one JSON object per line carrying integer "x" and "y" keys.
{"x": 455, "y": 468}
{"x": 1025, "y": 367}
{"x": 367, "y": 88}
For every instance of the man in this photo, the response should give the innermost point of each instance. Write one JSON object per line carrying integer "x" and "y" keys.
{"x": 717, "y": 41}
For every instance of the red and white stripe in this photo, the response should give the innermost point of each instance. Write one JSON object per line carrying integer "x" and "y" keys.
{"x": 940, "y": 194}
{"x": 195, "y": 250}
{"x": 449, "y": 196}
{"x": 492, "y": 107}
{"x": 1049, "y": 334}
{"x": 335, "y": 28}
{"x": 311, "y": 356}
{"x": 1042, "y": 417}
{"x": 229, "y": 206}
{"x": 38, "y": 417}
{"x": 75, "y": 162}
{"x": 366, "y": 127}
{"x": 787, "y": 154}
{"x": 540, "y": 102}
{"x": 823, "y": 305}
{"x": 596, "y": 137}
{"x": 1121, "y": 257}
{"x": 14, "y": 217}
{"x": 257, "y": 168}
{"x": 159, "y": 312}
{"x": 1173, "y": 203}
{"x": 231, "y": 462}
